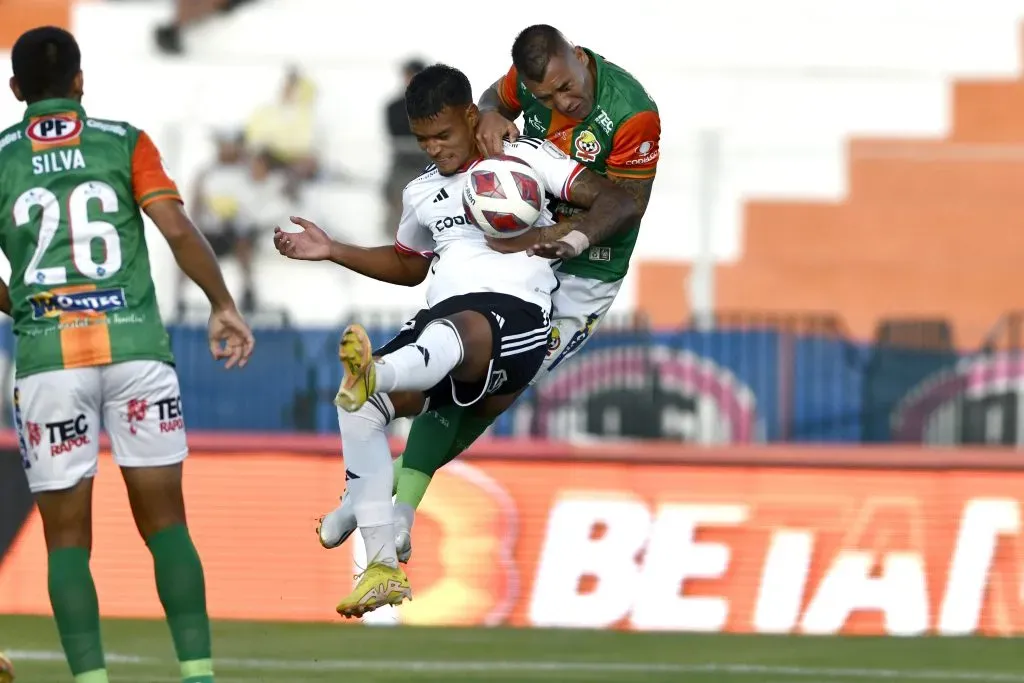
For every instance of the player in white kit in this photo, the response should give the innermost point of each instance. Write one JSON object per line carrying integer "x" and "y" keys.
{"x": 484, "y": 334}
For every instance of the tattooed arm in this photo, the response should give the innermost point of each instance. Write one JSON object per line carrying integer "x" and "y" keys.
{"x": 631, "y": 166}
{"x": 613, "y": 205}
{"x": 639, "y": 190}
{"x": 597, "y": 225}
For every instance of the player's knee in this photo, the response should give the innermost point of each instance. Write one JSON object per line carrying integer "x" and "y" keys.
{"x": 156, "y": 498}
{"x": 407, "y": 403}
{"x": 474, "y": 330}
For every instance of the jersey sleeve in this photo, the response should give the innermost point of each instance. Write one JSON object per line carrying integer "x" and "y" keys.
{"x": 636, "y": 147}
{"x": 556, "y": 169}
{"x": 508, "y": 90}
{"x": 150, "y": 181}
{"x": 413, "y": 237}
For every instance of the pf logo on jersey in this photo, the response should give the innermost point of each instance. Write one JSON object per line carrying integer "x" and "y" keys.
{"x": 54, "y": 130}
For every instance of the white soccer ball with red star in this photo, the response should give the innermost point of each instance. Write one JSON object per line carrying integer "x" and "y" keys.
{"x": 503, "y": 196}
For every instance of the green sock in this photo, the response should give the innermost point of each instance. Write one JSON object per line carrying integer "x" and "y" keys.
{"x": 397, "y": 465}
{"x": 76, "y": 610}
{"x": 430, "y": 437}
{"x": 425, "y": 451}
{"x": 412, "y": 485}
{"x": 182, "y": 590}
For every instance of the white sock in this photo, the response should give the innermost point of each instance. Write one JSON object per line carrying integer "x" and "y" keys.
{"x": 380, "y": 544}
{"x": 369, "y": 475}
{"x": 422, "y": 364}
{"x": 405, "y": 515}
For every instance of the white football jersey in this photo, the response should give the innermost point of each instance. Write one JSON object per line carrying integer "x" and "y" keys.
{"x": 434, "y": 224}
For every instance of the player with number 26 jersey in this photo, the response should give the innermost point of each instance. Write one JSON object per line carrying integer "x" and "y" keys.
{"x": 81, "y": 289}
{"x": 92, "y": 351}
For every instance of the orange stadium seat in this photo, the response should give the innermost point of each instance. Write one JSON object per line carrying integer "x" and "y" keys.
{"x": 928, "y": 229}
{"x": 17, "y": 16}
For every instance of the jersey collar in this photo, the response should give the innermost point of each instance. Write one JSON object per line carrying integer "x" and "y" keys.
{"x": 469, "y": 164}
{"x": 54, "y": 106}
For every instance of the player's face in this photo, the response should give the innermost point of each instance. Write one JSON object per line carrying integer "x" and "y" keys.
{"x": 567, "y": 86}
{"x": 448, "y": 137}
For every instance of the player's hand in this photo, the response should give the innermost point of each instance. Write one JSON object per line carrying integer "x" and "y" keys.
{"x": 230, "y": 337}
{"x": 312, "y": 244}
{"x": 553, "y": 250}
{"x": 491, "y": 130}
{"x": 513, "y": 245}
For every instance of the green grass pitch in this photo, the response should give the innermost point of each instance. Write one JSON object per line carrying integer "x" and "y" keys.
{"x": 300, "y": 653}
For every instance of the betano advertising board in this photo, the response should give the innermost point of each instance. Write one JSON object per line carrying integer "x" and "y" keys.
{"x": 897, "y": 541}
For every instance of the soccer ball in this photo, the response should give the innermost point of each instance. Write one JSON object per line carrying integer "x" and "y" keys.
{"x": 6, "y": 669}
{"x": 503, "y": 196}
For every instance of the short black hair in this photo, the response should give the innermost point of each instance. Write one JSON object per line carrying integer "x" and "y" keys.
{"x": 533, "y": 49}
{"x": 436, "y": 87}
{"x": 45, "y": 61}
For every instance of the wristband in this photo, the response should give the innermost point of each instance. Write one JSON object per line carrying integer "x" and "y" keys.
{"x": 578, "y": 241}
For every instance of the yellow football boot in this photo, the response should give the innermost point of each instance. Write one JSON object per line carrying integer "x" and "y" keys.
{"x": 379, "y": 585}
{"x": 360, "y": 379}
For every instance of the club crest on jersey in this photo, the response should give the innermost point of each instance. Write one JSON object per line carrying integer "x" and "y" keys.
{"x": 587, "y": 146}
{"x": 54, "y": 130}
{"x": 51, "y": 305}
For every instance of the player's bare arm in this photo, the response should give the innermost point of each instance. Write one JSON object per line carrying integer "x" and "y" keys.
{"x": 611, "y": 209}
{"x": 385, "y": 263}
{"x": 496, "y": 121}
{"x": 230, "y": 338}
{"x": 490, "y": 101}
{"x": 639, "y": 190}
{"x": 191, "y": 251}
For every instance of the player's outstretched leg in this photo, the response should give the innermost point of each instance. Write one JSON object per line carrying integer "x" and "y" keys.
{"x": 67, "y": 525}
{"x": 368, "y": 477}
{"x": 335, "y": 527}
{"x": 436, "y": 438}
{"x": 416, "y": 367}
{"x": 155, "y": 494}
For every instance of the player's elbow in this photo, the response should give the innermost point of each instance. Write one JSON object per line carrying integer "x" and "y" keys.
{"x": 413, "y": 272}
{"x": 416, "y": 278}
{"x": 626, "y": 209}
{"x": 172, "y": 222}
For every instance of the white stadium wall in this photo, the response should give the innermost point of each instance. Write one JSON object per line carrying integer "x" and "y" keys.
{"x": 777, "y": 87}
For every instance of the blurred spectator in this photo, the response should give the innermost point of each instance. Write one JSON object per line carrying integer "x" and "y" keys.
{"x": 221, "y": 208}
{"x": 407, "y": 159}
{"x": 273, "y": 194}
{"x": 286, "y": 128}
{"x": 187, "y": 13}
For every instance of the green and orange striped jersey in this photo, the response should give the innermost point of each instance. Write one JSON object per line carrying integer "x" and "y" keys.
{"x": 621, "y": 137}
{"x": 73, "y": 188}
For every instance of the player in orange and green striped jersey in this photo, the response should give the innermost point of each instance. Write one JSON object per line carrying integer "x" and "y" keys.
{"x": 595, "y": 112}
{"x": 599, "y": 114}
{"x": 91, "y": 347}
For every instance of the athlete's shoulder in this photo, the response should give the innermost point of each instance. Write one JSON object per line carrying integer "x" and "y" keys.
{"x": 429, "y": 176}
{"x": 622, "y": 94}
{"x": 423, "y": 186}
{"x": 118, "y": 129}
{"x": 11, "y": 135}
